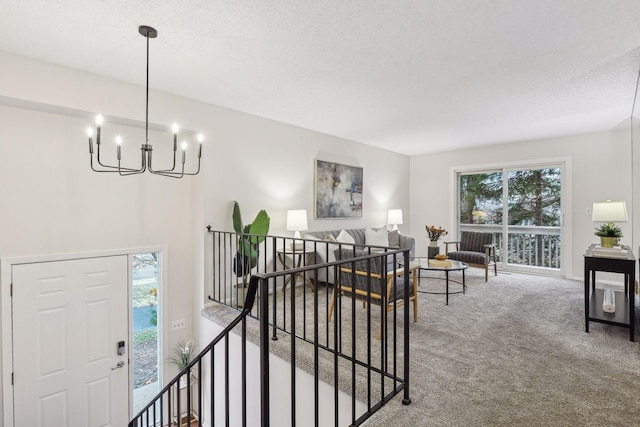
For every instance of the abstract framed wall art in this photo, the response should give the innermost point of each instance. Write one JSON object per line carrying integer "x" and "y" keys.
{"x": 338, "y": 190}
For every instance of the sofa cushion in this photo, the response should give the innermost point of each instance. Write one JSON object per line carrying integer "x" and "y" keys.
{"x": 345, "y": 237}
{"x": 379, "y": 237}
{"x": 394, "y": 239}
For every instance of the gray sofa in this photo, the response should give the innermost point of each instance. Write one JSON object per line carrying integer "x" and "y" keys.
{"x": 329, "y": 251}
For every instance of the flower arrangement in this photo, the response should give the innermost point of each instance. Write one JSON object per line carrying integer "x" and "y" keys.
{"x": 184, "y": 351}
{"x": 435, "y": 233}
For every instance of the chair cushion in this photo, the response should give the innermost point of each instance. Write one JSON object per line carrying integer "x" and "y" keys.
{"x": 468, "y": 257}
{"x": 474, "y": 242}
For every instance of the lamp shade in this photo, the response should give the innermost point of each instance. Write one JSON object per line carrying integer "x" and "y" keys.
{"x": 395, "y": 216}
{"x": 297, "y": 220}
{"x": 609, "y": 211}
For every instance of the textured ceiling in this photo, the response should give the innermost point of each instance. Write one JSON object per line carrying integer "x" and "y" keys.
{"x": 409, "y": 76}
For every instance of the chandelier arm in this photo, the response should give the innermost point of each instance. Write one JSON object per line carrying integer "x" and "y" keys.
{"x": 142, "y": 169}
{"x": 99, "y": 170}
{"x": 116, "y": 168}
{"x": 178, "y": 174}
{"x": 165, "y": 170}
{"x": 182, "y": 173}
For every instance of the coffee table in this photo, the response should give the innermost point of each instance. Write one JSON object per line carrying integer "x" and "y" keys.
{"x": 427, "y": 264}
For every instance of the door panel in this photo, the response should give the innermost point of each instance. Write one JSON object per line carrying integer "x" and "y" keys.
{"x": 68, "y": 317}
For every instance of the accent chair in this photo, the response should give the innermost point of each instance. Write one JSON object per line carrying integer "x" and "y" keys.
{"x": 375, "y": 280}
{"x": 476, "y": 249}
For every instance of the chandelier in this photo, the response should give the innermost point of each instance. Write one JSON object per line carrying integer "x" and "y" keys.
{"x": 146, "y": 148}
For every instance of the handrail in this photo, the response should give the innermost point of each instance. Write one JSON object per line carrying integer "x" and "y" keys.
{"x": 534, "y": 246}
{"x": 137, "y": 420}
{"x": 289, "y": 318}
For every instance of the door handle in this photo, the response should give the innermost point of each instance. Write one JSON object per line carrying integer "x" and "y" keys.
{"x": 118, "y": 366}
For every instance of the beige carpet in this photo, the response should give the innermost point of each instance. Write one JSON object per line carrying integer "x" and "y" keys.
{"x": 512, "y": 351}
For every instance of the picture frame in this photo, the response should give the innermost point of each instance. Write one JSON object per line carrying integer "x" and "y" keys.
{"x": 338, "y": 190}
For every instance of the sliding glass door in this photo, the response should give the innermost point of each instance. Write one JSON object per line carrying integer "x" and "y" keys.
{"x": 521, "y": 207}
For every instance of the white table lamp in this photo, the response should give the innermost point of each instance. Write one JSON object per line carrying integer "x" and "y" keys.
{"x": 609, "y": 211}
{"x": 297, "y": 222}
{"x": 395, "y": 218}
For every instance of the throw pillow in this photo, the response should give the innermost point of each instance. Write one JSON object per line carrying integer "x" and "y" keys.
{"x": 345, "y": 237}
{"x": 394, "y": 239}
{"x": 329, "y": 238}
{"x": 376, "y": 238}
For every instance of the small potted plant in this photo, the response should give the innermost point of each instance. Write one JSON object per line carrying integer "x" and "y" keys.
{"x": 183, "y": 352}
{"x": 609, "y": 235}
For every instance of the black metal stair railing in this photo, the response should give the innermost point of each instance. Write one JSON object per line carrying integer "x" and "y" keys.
{"x": 168, "y": 408}
{"x": 353, "y": 373}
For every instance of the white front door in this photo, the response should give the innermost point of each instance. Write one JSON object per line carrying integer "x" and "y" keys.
{"x": 68, "y": 317}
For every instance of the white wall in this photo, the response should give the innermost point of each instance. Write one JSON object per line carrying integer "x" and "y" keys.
{"x": 601, "y": 169}
{"x": 279, "y": 386}
{"x": 51, "y": 202}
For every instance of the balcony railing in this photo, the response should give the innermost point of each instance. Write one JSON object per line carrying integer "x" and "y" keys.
{"x": 526, "y": 245}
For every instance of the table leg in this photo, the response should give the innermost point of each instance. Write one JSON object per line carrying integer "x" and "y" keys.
{"x": 632, "y": 311}
{"x": 464, "y": 284}
{"x": 283, "y": 260}
{"x": 446, "y": 272}
{"x": 586, "y": 298}
{"x": 626, "y": 284}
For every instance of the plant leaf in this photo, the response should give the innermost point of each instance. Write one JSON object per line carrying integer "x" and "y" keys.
{"x": 260, "y": 226}
{"x": 237, "y": 218}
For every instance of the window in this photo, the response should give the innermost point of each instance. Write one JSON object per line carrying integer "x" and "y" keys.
{"x": 521, "y": 207}
{"x": 146, "y": 350}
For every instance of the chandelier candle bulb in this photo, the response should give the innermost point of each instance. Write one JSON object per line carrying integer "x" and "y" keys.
{"x": 175, "y": 129}
{"x": 99, "y": 120}
{"x": 200, "y": 139}
{"x": 119, "y": 143}
{"x": 90, "y": 135}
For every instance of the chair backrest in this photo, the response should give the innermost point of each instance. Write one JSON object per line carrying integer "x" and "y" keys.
{"x": 474, "y": 241}
{"x": 378, "y": 266}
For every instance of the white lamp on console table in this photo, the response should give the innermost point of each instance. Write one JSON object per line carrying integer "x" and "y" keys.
{"x": 609, "y": 211}
{"x": 297, "y": 222}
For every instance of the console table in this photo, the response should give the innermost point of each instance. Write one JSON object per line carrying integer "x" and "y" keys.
{"x": 299, "y": 258}
{"x": 625, "y": 313}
